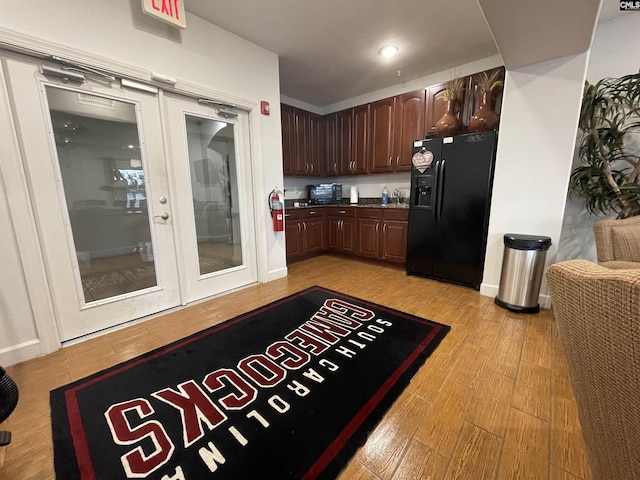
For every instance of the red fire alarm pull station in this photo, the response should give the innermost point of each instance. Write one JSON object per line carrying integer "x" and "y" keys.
{"x": 264, "y": 107}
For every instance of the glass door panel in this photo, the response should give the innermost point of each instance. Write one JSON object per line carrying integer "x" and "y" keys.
{"x": 211, "y": 162}
{"x": 103, "y": 180}
{"x": 213, "y": 175}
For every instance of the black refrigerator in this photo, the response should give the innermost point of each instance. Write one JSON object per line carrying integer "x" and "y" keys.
{"x": 451, "y": 182}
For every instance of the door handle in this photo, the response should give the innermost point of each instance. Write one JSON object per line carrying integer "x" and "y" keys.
{"x": 441, "y": 189}
{"x": 163, "y": 216}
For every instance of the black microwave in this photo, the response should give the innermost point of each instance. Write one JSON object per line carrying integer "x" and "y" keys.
{"x": 324, "y": 193}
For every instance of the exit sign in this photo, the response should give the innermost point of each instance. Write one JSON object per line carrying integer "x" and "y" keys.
{"x": 169, "y": 11}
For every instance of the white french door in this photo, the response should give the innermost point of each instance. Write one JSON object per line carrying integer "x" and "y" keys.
{"x": 211, "y": 169}
{"x": 95, "y": 165}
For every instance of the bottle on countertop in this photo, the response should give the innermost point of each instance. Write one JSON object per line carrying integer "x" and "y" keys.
{"x": 385, "y": 195}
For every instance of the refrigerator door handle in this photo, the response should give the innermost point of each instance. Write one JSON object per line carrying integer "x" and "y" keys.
{"x": 440, "y": 190}
{"x": 436, "y": 188}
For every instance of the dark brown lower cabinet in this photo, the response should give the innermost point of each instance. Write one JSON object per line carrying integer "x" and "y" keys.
{"x": 369, "y": 232}
{"x": 304, "y": 233}
{"x": 394, "y": 235}
{"x": 383, "y": 233}
{"x": 379, "y": 233}
{"x": 342, "y": 229}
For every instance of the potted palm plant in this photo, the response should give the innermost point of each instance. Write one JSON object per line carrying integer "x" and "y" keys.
{"x": 608, "y": 178}
{"x": 486, "y": 118}
{"x": 450, "y": 124}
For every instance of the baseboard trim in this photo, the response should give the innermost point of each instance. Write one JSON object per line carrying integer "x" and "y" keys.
{"x": 21, "y": 353}
{"x": 276, "y": 274}
{"x": 492, "y": 291}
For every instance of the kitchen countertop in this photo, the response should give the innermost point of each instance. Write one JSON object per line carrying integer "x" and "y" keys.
{"x": 364, "y": 203}
{"x": 358, "y": 205}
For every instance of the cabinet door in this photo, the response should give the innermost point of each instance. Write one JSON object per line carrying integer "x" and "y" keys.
{"x": 344, "y": 131}
{"x": 472, "y": 97}
{"x": 331, "y": 145}
{"x": 349, "y": 235}
{"x": 394, "y": 241}
{"x": 409, "y": 126}
{"x": 436, "y": 106}
{"x": 381, "y": 145}
{"x": 288, "y": 145}
{"x": 293, "y": 239}
{"x": 316, "y": 166}
{"x": 360, "y": 139}
{"x": 369, "y": 235}
{"x": 301, "y": 129}
{"x": 335, "y": 233}
{"x": 313, "y": 235}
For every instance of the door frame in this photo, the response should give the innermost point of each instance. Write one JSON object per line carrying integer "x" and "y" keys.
{"x": 21, "y": 211}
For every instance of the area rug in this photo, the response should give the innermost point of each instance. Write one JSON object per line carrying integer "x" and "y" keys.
{"x": 287, "y": 391}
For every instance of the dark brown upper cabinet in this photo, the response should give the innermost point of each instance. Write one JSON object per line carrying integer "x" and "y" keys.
{"x": 288, "y": 145}
{"x": 344, "y": 141}
{"x": 302, "y": 142}
{"x": 371, "y": 138}
{"x": 332, "y": 166}
{"x": 395, "y": 123}
{"x": 301, "y": 134}
{"x": 409, "y": 126}
{"x": 436, "y": 106}
{"x": 381, "y": 147}
{"x": 317, "y": 157}
{"x": 472, "y": 98}
{"x": 360, "y": 160}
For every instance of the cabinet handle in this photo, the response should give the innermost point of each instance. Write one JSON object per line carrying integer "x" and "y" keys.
{"x": 312, "y": 212}
{"x": 340, "y": 222}
{"x": 377, "y": 227}
{"x": 397, "y": 161}
{"x": 298, "y": 228}
{"x": 384, "y": 228}
{"x": 311, "y": 165}
{"x": 342, "y": 212}
{"x": 390, "y": 160}
{"x": 304, "y": 224}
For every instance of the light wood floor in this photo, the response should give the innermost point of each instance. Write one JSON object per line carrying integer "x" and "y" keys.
{"x": 492, "y": 402}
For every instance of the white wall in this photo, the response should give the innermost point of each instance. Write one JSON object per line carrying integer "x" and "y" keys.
{"x": 203, "y": 54}
{"x": 540, "y": 109}
{"x": 613, "y": 54}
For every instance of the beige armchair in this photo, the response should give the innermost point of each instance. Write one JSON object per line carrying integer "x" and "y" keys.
{"x": 597, "y": 310}
{"x": 618, "y": 242}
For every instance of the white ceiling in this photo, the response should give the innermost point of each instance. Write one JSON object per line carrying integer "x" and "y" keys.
{"x": 329, "y": 48}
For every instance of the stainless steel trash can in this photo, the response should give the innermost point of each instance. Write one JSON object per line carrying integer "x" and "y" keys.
{"x": 522, "y": 268}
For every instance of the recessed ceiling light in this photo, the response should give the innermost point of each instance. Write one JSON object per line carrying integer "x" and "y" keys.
{"x": 389, "y": 51}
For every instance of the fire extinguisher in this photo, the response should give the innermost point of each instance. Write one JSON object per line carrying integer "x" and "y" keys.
{"x": 277, "y": 210}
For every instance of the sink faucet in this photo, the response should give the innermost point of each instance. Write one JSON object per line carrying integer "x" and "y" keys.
{"x": 396, "y": 194}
